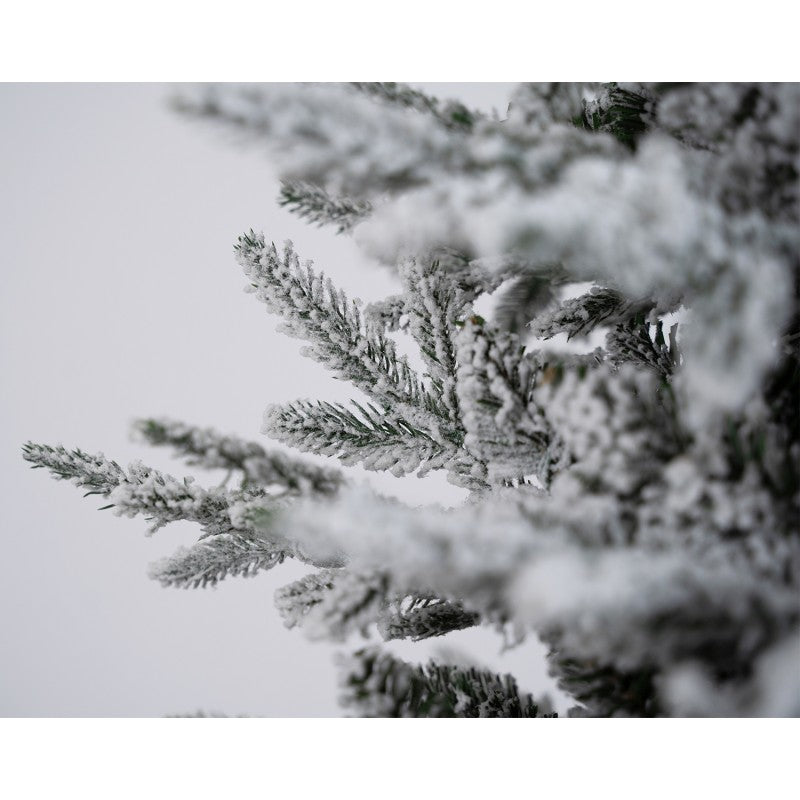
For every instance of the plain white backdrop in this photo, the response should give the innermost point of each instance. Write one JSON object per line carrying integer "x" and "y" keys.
{"x": 121, "y": 298}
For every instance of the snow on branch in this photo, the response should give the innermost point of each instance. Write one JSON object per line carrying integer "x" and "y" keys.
{"x": 314, "y": 310}
{"x": 93, "y": 472}
{"x": 332, "y": 136}
{"x": 465, "y": 552}
{"x": 604, "y": 691}
{"x": 375, "y": 684}
{"x": 418, "y": 618}
{"x": 433, "y": 303}
{"x": 636, "y": 609}
{"x": 342, "y": 139}
{"x": 141, "y": 490}
{"x": 635, "y": 507}
{"x": 616, "y": 427}
{"x": 211, "y": 560}
{"x": 579, "y": 316}
{"x": 206, "y": 448}
{"x": 368, "y": 436}
{"x": 626, "y": 111}
{"x": 228, "y": 545}
{"x": 506, "y": 431}
{"x": 333, "y": 603}
{"x": 452, "y": 114}
{"x": 634, "y": 342}
{"x": 319, "y": 207}
{"x": 418, "y": 416}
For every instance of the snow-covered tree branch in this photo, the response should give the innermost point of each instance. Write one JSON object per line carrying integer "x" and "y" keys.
{"x": 603, "y": 290}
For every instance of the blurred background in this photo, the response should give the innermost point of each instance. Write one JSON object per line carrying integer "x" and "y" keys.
{"x": 120, "y": 299}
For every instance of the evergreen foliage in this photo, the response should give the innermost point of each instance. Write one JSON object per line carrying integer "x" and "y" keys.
{"x": 377, "y": 685}
{"x": 316, "y": 206}
{"x": 636, "y": 505}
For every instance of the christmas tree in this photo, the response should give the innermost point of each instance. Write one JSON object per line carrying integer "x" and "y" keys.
{"x": 603, "y": 293}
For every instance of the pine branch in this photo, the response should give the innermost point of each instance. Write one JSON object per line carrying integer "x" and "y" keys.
{"x": 452, "y": 114}
{"x": 418, "y": 618}
{"x": 377, "y": 440}
{"x": 387, "y": 316}
{"x": 295, "y": 600}
{"x": 433, "y": 302}
{"x": 209, "y": 561}
{"x": 342, "y": 140}
{"x": 459, "y": 553}
{"x": 667, "y": 607}
{"x": 616, "y": 427}
{"x": 332, "y": 604}
{"x": 626, "y": 111}
{"x": 93, "y": 472}
{"x": 751, "y": 130}
{"x": 141, "y": 490}
{"x": 331, "y": 135}
{"x": 603, "y": 690}
{"x": 451, "y": 275}
{"x": 632, "y": 342}
{"x": 579, "y": 316}
{"x": 686, "y": 590}
{"x": 661, "y": 559}
{"x": 505, "y": 429}
{"x": 206, "y": 448}
{"x": 228, "y": 545}
{"x": 313, "y": 310}
{"x": 317, "y": 206}
{"x": 376, "y": 684}
{"x": 539, "y": 106}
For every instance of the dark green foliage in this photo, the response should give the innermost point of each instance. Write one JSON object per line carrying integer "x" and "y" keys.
{"x": 633, "y": 342}
{"x": 624, "y": 113}
{"x": 379, "y": 685}
{"x": 579, "y": 316}
{"x": 424, "y": 618}
{"x": 604, "y": 691}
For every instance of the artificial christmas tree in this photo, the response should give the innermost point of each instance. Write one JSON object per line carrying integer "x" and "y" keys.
{"x": 634, "y": 501}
